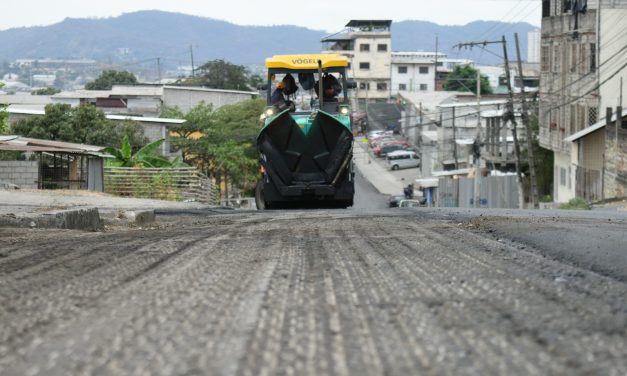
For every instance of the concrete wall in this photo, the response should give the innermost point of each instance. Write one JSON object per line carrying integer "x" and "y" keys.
{"x": 564, "y": 189}
{"x": 613, "y": 37}
{"x": 187, "y": 98}
{"x": 21, "y": 173}
{"x": 615, "y": 176}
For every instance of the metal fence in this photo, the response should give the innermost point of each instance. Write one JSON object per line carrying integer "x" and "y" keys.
{"x": 173, "y": 184}
{"x": 496, "y": 192}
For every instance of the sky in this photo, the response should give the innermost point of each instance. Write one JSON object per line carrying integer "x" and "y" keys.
{"x": 327, "y": 15}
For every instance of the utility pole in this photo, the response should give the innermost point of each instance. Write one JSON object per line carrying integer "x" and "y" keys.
{"x": 435, "y": 68}
{"x": 477, "y": 147}
{"x": 191, "y": 52}
{"x": 510, "y": 109}
{"x": 511, "y": 117}
{"x": 525, "y": 120}
{"x": 454, "y": 139}
{"x": 159, "y": 69}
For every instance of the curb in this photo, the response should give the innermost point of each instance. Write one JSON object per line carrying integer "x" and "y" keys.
{"x": 87, "y": 219}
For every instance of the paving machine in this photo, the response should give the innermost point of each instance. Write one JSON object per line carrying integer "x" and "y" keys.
{"x": 306, "y": 140}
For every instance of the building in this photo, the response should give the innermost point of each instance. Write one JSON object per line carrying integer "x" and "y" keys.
{"x": 581, "y": 63}
{"x": 368, "y": 45}
{"x": 148, "y": 100}
{"x": 414, "y": 71}
{"x": 533, "y": 46}
{"x": 58, "y": 165}
{"x": 154, "y": 128}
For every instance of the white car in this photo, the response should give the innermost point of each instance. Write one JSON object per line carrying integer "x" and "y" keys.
{"x": 402, "y": 159}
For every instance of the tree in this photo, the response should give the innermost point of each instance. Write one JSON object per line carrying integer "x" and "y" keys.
{"x": 4, "y": 116}
{"x": 108, "y": 78}
{"x": 220, "y": 74}
{"x": 196, "y": 120}
{"x": 84, "y": 124}
{"x": 46, "y": 91}
{"x": 221, "y": 143}
{"x": 464, "y": 78}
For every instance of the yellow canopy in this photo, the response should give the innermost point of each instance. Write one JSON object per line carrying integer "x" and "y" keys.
{"x": 306, "y": 61}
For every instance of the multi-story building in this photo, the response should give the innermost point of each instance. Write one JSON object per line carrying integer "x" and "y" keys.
{"x": 368, "y": 45}
{"x": 569, "y": 100}
{"x": 533, "y": 46}
{"x": 414, "y": 71}
{"x": 582, "y": 58}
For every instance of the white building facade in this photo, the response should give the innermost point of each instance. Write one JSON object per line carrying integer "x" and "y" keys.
{"x": 414, "y": 71}
{"x": 368, "y": 46}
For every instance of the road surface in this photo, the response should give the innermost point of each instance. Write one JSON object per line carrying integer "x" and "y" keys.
{"x": 362, "y": 292}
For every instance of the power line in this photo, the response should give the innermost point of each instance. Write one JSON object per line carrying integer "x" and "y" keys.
{"x": 591, "y": 90}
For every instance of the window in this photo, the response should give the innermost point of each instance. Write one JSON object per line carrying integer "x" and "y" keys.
{"x": 593, "y": 57}
{"x": 573, "y": 119}
{"x": 573, "y": 57}
{"x": 382, "y": 86}
{"x": 423, "y": 87}
{"x": 544, "y": 58}
{"x": 592, "y": 115}
{"x": 364, "y": 86}
{"x": 556, "y": 59}
{"x": 424, "y": 70}
{"x": 402, "y": 70}
{"x": 562, "y": 176}
{"x": 546, "y": 8}
{"x": 364, "y": 47}
{"x": 402, "y": 87}
{"x": 364, "y": 66}
{"x": 583, "y": 54}
{"x": 382, "y": 47}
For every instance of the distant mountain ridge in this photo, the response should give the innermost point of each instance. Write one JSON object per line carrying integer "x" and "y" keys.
{"x": 138, "y": 36}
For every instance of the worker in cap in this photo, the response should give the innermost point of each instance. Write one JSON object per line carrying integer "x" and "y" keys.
{"x": 277, "y": 95}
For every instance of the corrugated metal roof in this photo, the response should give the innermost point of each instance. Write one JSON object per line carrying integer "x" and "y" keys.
{"x": 209, "y": 90}
{"x": 129, "y": 90}
{"x": 26, "y": 144}
{"x": 82, "y": 94}
{"x": 110, "y": 117}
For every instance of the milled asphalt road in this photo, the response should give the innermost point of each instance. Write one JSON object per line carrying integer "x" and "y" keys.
{"x": 364, "y": 291}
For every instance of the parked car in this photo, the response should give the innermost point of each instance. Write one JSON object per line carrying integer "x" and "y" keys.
{"x": 402, "y": 159}
{"x": 412, "y": 203}
{"x": 386, "y": 149}
{"x": 394, "y": 200}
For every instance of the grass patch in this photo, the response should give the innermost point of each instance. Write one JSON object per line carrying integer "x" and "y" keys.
{"x": 576, "y": 204}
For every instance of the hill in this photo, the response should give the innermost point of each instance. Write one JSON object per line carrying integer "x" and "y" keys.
{"x": 139, "y": 36}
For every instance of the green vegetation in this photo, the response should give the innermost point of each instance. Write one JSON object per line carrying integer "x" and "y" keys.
{"x": 464, "y": 78}
{"x": 220, "y": 74}
{"x": 83, "y": 125}
{"x": 46, "y": 91}
{"x": 221, "y": 143}
{"x": 146, "y": 156}
{"x": 576, "y": 204}
{"x": 4, "y": 117}
{"x": 108, "y": 78}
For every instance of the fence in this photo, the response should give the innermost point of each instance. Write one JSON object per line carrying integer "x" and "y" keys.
{"x": 589, "y": 185}
{"x": 174, "y": 184}
{"x": 496, "y": 192}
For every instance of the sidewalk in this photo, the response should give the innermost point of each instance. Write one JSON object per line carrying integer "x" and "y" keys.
{"x": 380, "y": 177}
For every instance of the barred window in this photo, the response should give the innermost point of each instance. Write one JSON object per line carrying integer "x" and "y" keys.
{"x": 544, "y": 58}
{"x": 592, "y": 115}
